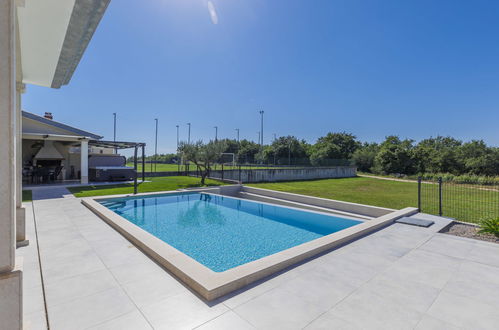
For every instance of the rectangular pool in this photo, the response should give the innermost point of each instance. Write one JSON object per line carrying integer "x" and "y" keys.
{"x": 222, "y": 232}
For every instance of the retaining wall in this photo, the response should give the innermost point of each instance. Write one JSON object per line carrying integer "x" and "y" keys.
{"x": 271, "y": 175}
{"x": 285, "y": 174}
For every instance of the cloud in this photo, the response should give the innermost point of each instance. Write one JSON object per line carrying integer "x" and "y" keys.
{"x": 213, "y": 12}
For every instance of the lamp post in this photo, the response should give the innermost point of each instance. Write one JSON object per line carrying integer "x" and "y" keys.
{"x": 216, "y": 133}
{"x": 114, "y": 134}
{"x": 178, "y": 160}
{"x": 261, "y": 135}
{"x": 156, "y": 147}
{"x": 189, "y": 134}
{"x": 261, "y": 127}
{"x": 237, "y": 130}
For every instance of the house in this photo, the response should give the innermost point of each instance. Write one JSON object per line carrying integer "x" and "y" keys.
{"x": 49, "y": 143}
{"x": 41, "y": 43}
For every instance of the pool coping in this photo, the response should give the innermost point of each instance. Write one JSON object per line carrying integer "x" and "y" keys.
{"x": 211, "y": 285}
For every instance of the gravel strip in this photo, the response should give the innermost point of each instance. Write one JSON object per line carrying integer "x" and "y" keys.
{"x": 469, "y": 231}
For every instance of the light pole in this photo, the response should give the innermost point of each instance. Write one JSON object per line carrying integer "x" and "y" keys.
{"x": 273, "y": 148}
{"x": 178, "y": 160}
{"x": 156, "y": 147}
{"x": 189, "y": 134}
{"x": 261, "y": 135}
{"x": 261, "y": 127}
{"x": 237, "y": 130}
{"x": 289, "y": 152}
{"x": 114, "y": 135}
{"x": 216, "y": 133}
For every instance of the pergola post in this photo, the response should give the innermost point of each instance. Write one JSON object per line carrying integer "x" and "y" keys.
{"x": 143, "y": 163}
{"x": 84, "y": 162}
{"x": 135, "y": 168}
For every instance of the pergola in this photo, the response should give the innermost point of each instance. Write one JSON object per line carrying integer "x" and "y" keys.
{"x": 119, "y": 145}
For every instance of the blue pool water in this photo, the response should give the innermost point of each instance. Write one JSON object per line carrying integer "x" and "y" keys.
{"x": 222, "y": 232}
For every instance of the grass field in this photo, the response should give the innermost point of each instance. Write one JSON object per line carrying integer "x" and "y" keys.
{"x": 155, "y": 184}
{"x": 384, "y": 193}
{"x": 464, "y": 203}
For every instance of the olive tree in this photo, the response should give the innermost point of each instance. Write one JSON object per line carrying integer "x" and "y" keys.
{"x": 203, "y": 155}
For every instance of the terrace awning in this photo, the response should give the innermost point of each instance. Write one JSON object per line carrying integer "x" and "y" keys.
{"x": 116, "y": 144}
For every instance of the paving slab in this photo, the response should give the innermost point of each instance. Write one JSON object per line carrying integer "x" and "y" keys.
{"x": 399, "y": 277}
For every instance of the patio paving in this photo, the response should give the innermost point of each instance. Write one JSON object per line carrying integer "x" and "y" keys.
{"x": 401, "y": 277}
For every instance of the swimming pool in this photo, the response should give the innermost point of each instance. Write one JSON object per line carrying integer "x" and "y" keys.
{"x": 222, "y": 232}
{"x": 217, "y": 244}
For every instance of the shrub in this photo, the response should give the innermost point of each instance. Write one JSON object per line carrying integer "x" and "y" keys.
{"x": 489, "y": 226}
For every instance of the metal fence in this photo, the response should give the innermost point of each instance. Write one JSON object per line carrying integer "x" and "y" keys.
{"x": 463, "y": 202}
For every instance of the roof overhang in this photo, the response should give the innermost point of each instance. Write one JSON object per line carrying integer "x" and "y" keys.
{"x": 53, "y": 37}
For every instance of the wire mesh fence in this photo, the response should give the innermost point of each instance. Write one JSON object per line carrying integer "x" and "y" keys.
{"x": 463, "y": 202}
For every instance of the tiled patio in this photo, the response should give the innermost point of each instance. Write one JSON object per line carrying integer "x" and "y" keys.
{"x": 401, "y": 277}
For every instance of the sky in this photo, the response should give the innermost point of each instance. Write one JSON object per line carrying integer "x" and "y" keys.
{"x": 368, "y": 67}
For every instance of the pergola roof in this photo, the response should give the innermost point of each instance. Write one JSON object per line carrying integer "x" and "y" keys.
{"x": 115, "y": 144}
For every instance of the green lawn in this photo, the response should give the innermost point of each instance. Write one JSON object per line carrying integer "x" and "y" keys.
{"x": 27, "y": 196}
{"x": 155, "y": 184}
{"x": 462, "y": 202}
{"x": 384, "y": 193}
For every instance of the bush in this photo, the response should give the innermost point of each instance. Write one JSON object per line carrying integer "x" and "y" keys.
{"x": 489, "y": 226}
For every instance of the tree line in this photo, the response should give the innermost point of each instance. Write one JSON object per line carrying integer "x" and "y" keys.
{"x": 392, "y": 156}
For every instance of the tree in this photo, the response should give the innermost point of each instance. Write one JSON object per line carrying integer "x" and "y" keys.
{"x": 394, "y": 156}
{"x": 333, "y": 146}
{"x": 285, "y": 150}
{"x": 247, "y": 151}
{"x": 364, "y": 156}
{"x": 203, "y": 155}
{"x": 438, "y": 155}
{"x": 479, "y": 159}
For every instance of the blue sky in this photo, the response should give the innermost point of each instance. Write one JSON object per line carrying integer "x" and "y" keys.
{"x": 372, "y": 68}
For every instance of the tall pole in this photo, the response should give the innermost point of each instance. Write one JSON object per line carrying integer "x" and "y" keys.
{"x": 261, "y": 135}
{"x": 273, "y": 148}
{"x": 178, "y": 160}
{"x": 216, "y": 133}
{"x": 261, "y": 127}
{"x": 156, "y": 147}
{"x": 237, "y": 130}
{"x": 114, "y": 134}
{"x": 189, "y": 134}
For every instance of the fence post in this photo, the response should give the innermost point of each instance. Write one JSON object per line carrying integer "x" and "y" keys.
{"x": 440, "y": 196}
{"x": 419, "y": 193}
{"x": 222, "y": 172}
{"x": 240, "y": 174}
